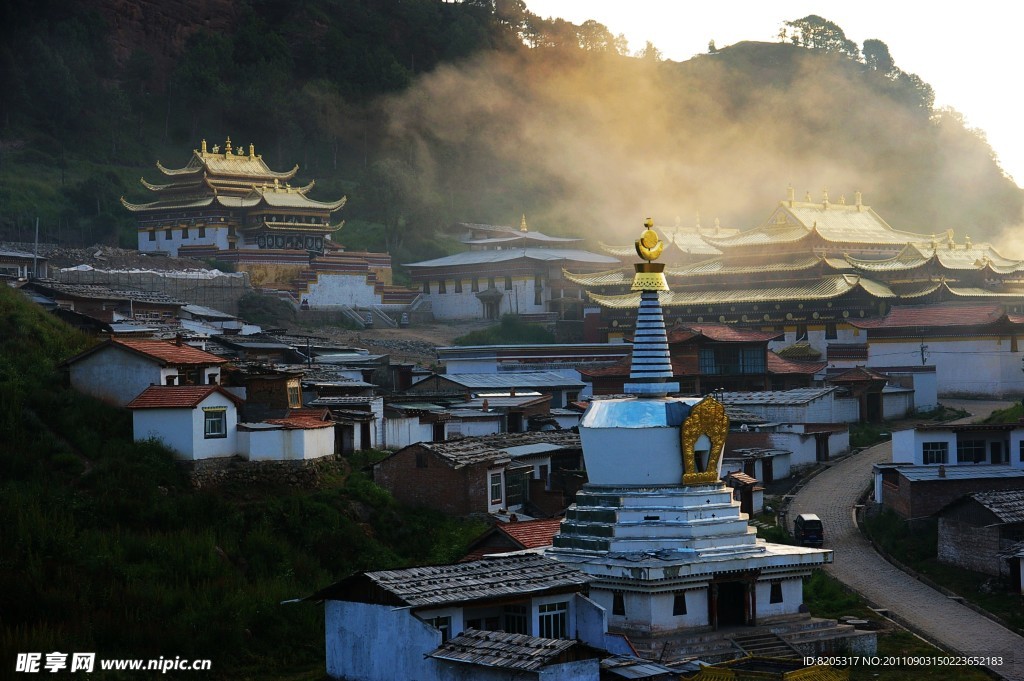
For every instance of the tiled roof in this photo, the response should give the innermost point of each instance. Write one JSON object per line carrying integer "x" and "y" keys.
{"x": 494, "y": 448}
{"x": 301, "y": 422}
{"x": 511, "y": 379}
{"x": 502, "y": 650}
{"x": 505, "y": 255}
{"x": 1007, "y": 505}
{"x": 532, "y": 534}
{"x": 510, "y": 576}
{"x": 847, "y": 351}
{"x": 604, "y": 278}
{"x": 825, "y": 288}
{"x": 783, "y": 365}
{"x": 169, "y": 353}
{"x": 741, "y": 478}
{"x": 727, "y": 333}
{"x": 934, "y": 315}
{"x": 858, "y": 375}
{"x": 177, "y": 396}
{"x": 777, "y": 397}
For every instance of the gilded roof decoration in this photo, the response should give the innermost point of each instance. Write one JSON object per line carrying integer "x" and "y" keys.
{"x": 960, "y": 257}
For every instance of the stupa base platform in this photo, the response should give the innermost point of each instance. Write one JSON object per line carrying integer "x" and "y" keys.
{"x": 792, "y": 636}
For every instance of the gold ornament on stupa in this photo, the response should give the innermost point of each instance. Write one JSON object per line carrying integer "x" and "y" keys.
{"x": 650, "y": 275}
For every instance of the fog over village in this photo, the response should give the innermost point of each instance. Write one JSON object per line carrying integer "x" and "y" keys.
{"x": 446, "y": 339}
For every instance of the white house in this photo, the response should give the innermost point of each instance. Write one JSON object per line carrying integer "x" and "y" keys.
{"x": 802, "y": 405}
{"x": 194, "y": 421}
{"x": 117, "y": 370}
{"x": 295, "y": 438}
{"x": 393, "y": 624}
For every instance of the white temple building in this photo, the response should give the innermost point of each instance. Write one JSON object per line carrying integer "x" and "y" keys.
{"x": 669, "y": 547}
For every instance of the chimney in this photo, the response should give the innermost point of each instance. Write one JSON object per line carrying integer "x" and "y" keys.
{"x": 486, "y": 405}
{"x": 512, "y": 392}
{"x": 942, "y": 471}
{"x": 177, "y": 339}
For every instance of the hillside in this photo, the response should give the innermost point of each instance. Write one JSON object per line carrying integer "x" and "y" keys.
{"x": 107, "y": 547}
{"x": 426, "y": 112}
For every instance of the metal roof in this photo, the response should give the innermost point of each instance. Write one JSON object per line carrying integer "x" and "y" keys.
{"x": 798, "y": 396}
{"x": 518, "y": 379}
{"x": 977, "y": 471}
{"x": 517, "y": 576}
{"x": 503, "y": 650}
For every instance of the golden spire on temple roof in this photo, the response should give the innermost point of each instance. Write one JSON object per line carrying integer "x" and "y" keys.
{"x": 227, "y": 147}
{"x": 522, "y": 224}
{"x": 203, "y": 146}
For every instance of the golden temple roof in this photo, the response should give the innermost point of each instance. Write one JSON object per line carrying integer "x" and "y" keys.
{"x": 958, "y": 257}
{"x": 229, "y": 162}
{"x": 837, "y": 223}
{"x": 828, "y": 287}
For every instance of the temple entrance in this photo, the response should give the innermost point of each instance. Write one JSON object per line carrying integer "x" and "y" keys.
{"x": 731, "y": 602}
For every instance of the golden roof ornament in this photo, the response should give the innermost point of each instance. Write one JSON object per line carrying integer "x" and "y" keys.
{"x": 252, "y": 151}
{"x": 650, "y": 275}
{"x": 227, "y": 147}
{"x": 522, "y": 224}
{"x": 203, "y": 146}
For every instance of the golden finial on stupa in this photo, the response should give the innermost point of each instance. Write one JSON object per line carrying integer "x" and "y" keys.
{"x": 650, "y": 276}
{"x": 522, "y": 224}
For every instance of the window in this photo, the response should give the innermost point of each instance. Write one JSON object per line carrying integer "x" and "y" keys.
{"x": 171, "y": 380}
{"x": 935, "y": 452}
{"x": 970, "y": 451}
{"x": 202, "y": 232}
{"x": 679, "y": 604}
{"x": 515, "y": 484}
{"x": 730, "y": 361}
{"x": 801, "y": 332}
{"x": 211, "y": 379}
{"x": 152, "y": 235}
{"x": 216, "y": 423}
{"x": 495, "y": 488}
{"x": 294, "y": 397}
{"x": 426, "y": 287}
{"x": 776, "y": 595}
{"x": 618, "y": 603}
{"x": 538, "y": 288}
{"x": 1020, "y": 454}
{"x": 475, "y": 284}
{"x": 442, "y": 624}
{"x": 185, "y": 233}
{"x": 831, "y": 333}
{"x": 515, "y": 619}
{"x": 552, "y": 620}
{"x": 458, "y": 286}
{"x": 508, "y": 283}
{"x": 441, "y": 287}
{"x": 167, "y": 234}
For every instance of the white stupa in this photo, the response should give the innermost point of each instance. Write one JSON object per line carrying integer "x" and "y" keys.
{"x": 656, "y": 526}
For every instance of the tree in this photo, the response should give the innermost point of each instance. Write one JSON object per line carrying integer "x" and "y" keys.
{"x": 649, "y": 52}
{"x": 821, "y": 34}
{"x": 878, "y": 59}
{"x": 711, "y": 47}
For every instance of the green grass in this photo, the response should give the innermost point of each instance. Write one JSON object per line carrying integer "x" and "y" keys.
{"x": 1009, "y": 415}
{"x": 510, "y": 331}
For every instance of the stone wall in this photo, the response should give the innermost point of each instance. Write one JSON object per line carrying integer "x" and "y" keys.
{"x": 213, "y": 473}
{"x": 217, "y": 291}
{"x": 970, "y": 547}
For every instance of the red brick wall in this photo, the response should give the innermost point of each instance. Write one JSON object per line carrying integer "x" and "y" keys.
{"x": 436, "y": 486}
{"x": 925, "y": 498}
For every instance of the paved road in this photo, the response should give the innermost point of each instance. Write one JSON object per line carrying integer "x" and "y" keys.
{"x": 832, "y": 494}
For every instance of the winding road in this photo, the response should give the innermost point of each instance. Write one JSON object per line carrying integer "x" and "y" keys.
{"x": 832, "y": 494}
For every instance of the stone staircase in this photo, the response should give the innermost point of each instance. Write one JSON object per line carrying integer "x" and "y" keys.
{"x": 765, "y": 644}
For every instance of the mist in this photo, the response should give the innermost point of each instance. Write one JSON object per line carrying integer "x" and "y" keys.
{"x": 591, "y": 143}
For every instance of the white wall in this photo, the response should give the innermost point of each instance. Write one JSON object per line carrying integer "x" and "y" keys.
{"x": 792, "y": 598}
{"x": 897, "y": 405}
{"x": 332, "y": 289}
{"x": 993, "y": 370}
{"x": 286, "y": 445}
{"x": 403, "y": 431}
{"x": 378, "y": 643}
{"x": 215, "y": 236}
{"x": 469, "y": 427}
{"x": 466, "y": 305}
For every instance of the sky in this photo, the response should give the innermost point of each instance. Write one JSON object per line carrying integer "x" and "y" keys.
{"x": 969, "y": 56}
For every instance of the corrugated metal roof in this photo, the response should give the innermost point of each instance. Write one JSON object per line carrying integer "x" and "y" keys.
{"x": 799, "y": 396}
{"x": 503, "y": 650}
{"x": 960, "y": 472}
{"x": 509, "y": 576}
{"x": 517, "y": 379}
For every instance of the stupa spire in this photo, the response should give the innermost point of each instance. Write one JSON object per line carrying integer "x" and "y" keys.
{"x": 650, "y": 370}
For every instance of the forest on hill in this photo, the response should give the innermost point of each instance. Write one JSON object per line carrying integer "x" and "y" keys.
{"x": 426, "y": 112}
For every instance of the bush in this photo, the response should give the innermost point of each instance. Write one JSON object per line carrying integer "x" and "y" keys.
{"x": 510, "y": 331}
